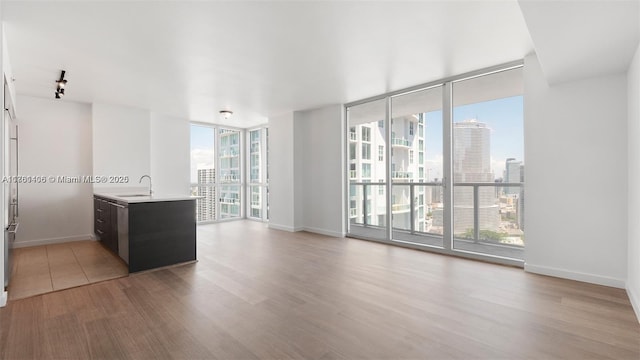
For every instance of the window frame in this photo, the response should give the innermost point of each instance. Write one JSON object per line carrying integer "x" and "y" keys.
{"x": 447, "y": 181}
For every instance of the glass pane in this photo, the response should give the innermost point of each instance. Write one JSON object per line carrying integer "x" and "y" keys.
{"x": 488, "y": 152}
{"x": 255, "y": 155}
{"x": 229, "y": 154}
{"x": 266, "y": 136}
{"x": 367, "y": 172}
{"x": 229, "y": 201}
{"x": 206, "y": 204}
{"x": 229, "y": 157}
{"x": 203, "y": 173}
{"x": 417, "y": 167}
{"x": 255, "y": 202}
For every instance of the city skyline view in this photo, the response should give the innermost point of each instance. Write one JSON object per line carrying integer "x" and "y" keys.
{"x": 216, "y": 169}
{"x": 486, "y": 146}
{"x": 503, "y": 116}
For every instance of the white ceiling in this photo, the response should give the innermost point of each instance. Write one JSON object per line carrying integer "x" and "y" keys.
{"x": 264, "y": 58}
{"x": 580, "y": 39}
{"x": 256, "y": 58}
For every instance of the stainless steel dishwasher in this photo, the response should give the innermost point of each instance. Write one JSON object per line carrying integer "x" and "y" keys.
{"x": 10, "y": 238}
{"x": 123, "y": 231}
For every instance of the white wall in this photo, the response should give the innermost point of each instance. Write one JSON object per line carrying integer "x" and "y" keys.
{"x": 170, "y": 144}
{"x": 281, "y": 180}
{"x": 55, "y": 140}
{"x": 319, "y": 166}
{"x": 576, "y": 186}
{"x": 300, "y": 146}
{"x": 121, "y": 143}
{"x": 306, "y": 152}
{"x": 633, "y": 183}
{"x": 3, "y": 294}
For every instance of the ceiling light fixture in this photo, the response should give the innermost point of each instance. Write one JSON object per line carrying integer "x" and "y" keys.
{"x": 226, "y": 114}
{"x": 61, "y": 84}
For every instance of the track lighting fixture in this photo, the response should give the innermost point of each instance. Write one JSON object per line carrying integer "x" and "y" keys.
{"x": 61, "y": 84}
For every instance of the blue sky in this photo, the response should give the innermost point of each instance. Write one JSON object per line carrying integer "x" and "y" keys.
{"x": 202, "y": 138}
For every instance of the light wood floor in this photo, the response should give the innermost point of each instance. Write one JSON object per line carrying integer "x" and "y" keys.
{"x": 43, "y": 269}
{"x": 259, "y": 293}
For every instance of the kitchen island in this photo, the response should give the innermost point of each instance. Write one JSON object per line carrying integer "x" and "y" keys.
{"x": 146, "y": 231}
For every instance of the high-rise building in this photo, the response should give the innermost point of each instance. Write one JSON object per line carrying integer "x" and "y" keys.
{"x": 255, "y": 166}
{"x": 229, "y": 154}
{"x": 436, "y": 192}
{"x": 512, "y": 175}
{"x": 472, "y": 164}
{"x": 206, "y": 209}
{"x": 367, "y": 155}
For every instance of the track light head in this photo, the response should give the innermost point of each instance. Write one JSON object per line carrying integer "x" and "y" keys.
{"x": 61, "y": 83}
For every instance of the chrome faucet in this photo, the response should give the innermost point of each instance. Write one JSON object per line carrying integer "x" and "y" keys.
{"x": 150, "y": 185}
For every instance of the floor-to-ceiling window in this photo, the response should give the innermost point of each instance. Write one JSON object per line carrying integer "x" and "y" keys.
{"x": 453, "y": 152}
{"x": 416, "y": 161}
{"x": 203, "y": 171}
{"x": 488, "y": 164}
{"x": 257, "y": 189}
{"x": 216, "y": 172}
{"x": 230, "y": 179}
{"x": 367, "y": 154}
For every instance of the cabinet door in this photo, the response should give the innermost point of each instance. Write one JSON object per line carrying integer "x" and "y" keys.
{"x": 101, "y": 218}
{"x": 96, "y": 217}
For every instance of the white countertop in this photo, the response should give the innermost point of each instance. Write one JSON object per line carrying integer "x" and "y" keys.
{"x": 141, "y": 197}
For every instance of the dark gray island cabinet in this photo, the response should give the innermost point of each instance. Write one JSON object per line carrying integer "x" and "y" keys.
{"x": 147, "y": 232}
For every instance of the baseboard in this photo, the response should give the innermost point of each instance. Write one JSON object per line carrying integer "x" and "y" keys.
{"x": 574, "y": 275}
{"x": 283, "y": 227}
{"x": 3, "y": 299}
{"x": 304, "y": 228}
{"x": 50, "y": 241}
{"x": 324, "y": 232}
{"x": 635, "y": 301}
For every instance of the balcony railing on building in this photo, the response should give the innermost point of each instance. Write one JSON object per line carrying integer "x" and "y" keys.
{"x": 402, "y": 174}
{"x": 229, "y": 153}
{"x": 400, "y": 142}
{"x": 231, "y": 177}
{"x": 229, "y": 200}
{"x": 503, "y": 200}
{"x": 395, "y": 208}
